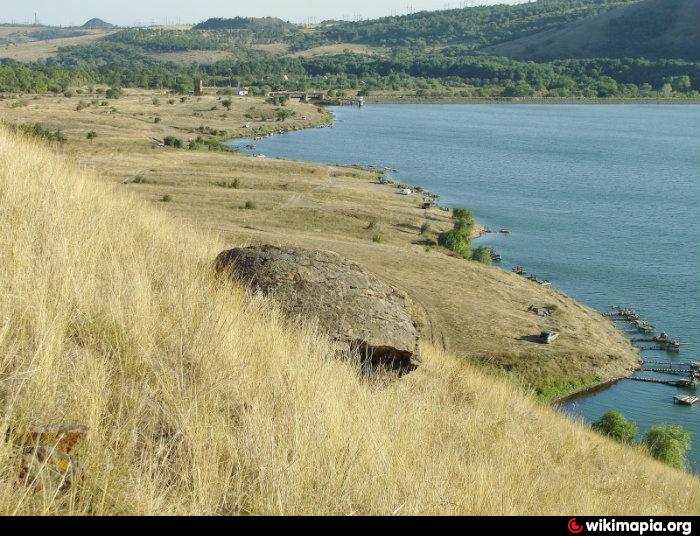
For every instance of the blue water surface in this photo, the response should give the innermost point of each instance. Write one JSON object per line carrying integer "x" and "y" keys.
{"x": 603, "y": 200}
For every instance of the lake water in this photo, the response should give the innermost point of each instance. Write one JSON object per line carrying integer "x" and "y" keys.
{"x": 601, "y": 200}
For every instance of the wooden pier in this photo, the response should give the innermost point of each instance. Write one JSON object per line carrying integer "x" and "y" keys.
{"x": 676, "y": 372}
{"x": 686, "y": 400}
{"x": 672, "y": 383}
{"x": 668, "y": 363}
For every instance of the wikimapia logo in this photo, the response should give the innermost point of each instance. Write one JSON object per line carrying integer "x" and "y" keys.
{"x": 633, "y": 527}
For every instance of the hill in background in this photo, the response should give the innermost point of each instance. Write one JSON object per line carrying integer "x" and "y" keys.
{"x": 97, "y": 24}
{"x": 244, "y": 23}
{"x": 472, "y": 27}
{"x": 652, "y": 29}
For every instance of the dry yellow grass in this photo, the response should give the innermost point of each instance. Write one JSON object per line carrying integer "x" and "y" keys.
{"x": 201, "y": 400}
{"x": 475, "y": 312}
{"x": 25, "y": 49}
{"x": 203, "y": 57}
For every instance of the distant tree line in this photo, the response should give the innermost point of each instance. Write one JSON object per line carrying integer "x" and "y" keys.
{"x": 447, "y": 72}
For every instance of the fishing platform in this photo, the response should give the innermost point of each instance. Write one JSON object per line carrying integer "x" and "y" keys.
{"x": 686, "y": 400}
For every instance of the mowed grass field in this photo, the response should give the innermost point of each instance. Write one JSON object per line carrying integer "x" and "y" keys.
{"x": 476, "y": 312}
{"x": 200, "y": 398}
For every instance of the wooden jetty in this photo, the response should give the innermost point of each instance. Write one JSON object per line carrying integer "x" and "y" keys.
{"x": 686, "y": 400}
{"x": 667, "y": 363}
{"x": 676, "y": 372}
{"x": 672, "y": 383}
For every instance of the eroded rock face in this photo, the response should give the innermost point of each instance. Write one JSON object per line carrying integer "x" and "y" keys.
{"x": 351, "y": 304}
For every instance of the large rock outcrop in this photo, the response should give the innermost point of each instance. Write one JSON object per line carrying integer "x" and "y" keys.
{"x": 354, "y": 306}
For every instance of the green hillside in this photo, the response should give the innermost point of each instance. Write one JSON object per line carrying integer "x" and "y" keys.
{"x": 652, "y": 29}
{"x": 476, "y": 27}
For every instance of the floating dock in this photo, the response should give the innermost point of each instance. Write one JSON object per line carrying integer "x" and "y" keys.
{"x": 672, "y": 383}
{"x": 686, "y": 400}
{"x": 677, "y": 372}
{"x": 668, "y": 363}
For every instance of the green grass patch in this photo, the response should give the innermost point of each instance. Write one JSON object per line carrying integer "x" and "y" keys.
{"x": 551, "y": 389}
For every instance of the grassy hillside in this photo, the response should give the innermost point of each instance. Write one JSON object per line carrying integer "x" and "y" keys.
{"x": 651, "y": 29}
{"x": 474, "y": 27}
{"x": 586, "y": 49}
{"x": 201, "y": 399}
{"x": 32, "y": 43}
{"x": 479, "y": 313}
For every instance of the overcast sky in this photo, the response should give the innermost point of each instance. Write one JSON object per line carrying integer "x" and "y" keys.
{"x": 145, "y": 12}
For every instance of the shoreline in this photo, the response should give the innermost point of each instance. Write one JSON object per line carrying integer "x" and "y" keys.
{"x": 413, "y": 99}
{"x": 266, "y": 184}
{"x": 480, "y": 230}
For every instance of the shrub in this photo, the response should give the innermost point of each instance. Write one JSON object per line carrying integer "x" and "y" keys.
{"x": 91, "y": 135}
{"x": 457, "y": 242}
{"x": 425, "y": 228}
{"x": 250, "y": 205}
{"x": 377, "y": 238}
{"x": 669, "y": 444}
{"x": 282, "y": 115}
{"x": 156, "y": 120}
{"x": 171, "y": 141}
{"x": 615, "y": 425}
{"x": 39, "y": 131}
{"x": 371, "y": 225}
{"x": 167, "y": 198}
{"x": 232, "y": 185}
{"x": 156, "y": 101}
{"x": 462, "y": 214}
{"x": 114, "y": 93}
{"x": 482, "y": 254}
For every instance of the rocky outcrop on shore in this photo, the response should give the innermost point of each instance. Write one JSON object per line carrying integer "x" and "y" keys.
{"x": 368, "y": 317}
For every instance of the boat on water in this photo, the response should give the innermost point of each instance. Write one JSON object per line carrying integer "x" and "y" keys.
{"x": 505, "y": 231}
{"x": 661, "y": 338}
{"x": 644, "y": 326}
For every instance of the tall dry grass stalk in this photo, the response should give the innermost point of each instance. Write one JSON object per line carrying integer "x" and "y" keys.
{"x": 200, "y": 399}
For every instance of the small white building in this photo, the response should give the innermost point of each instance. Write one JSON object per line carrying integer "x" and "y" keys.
{"x": 242, "y": 91}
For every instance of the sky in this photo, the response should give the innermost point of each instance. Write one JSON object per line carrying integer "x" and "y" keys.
{"x": 140, "y": 12}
